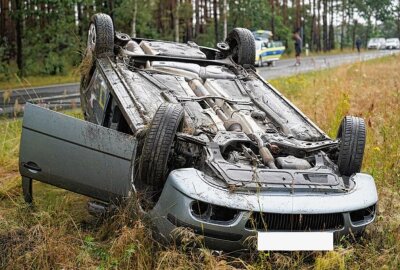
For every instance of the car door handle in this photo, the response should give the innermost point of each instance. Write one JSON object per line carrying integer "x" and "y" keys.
{"x": 32, "y": 166}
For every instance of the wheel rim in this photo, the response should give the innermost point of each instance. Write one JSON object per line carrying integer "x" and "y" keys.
{"x": 91, "y": 42}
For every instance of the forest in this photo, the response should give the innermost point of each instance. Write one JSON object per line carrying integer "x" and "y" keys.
{"x": 47, "y": 37}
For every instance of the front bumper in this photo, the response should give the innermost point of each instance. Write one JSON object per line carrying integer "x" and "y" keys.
{"x": 185, "y": 188}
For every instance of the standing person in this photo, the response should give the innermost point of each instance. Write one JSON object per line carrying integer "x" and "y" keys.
{"x": 297, "y": 45}
{"x": 358, "y": 44}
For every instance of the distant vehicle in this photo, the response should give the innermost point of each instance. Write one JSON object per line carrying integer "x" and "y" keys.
{"x": 268, "y": 52}
{"x": 376, "y": 43}
{"x": 393, "y": 43}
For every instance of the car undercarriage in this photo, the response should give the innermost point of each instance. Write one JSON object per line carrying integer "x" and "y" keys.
{"x": 213, "y": 146}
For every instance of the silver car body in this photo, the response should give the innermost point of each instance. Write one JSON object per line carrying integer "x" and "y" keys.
{"x": 228, "y": 195}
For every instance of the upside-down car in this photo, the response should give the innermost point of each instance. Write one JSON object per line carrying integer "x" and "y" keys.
{"x": 202, "y": 139}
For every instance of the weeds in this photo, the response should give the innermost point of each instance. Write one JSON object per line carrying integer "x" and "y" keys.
{"x": 58, "y": 232}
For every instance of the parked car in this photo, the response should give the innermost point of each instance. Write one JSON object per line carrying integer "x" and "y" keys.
{"x": 376, "y": 43}
{"x": 393, "y": 43}
{"x": 268, "y": 53}
{"x": 201, "y": 140}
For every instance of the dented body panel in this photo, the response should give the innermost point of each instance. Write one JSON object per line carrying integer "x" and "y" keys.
{"x": 244, "y": 154}
{"x": 76, "y": 155}
{"x": 186, "y": 187}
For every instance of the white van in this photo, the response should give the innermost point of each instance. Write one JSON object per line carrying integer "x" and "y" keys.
{"x": 376, "y": 43}
{"x": 393, "y": 43}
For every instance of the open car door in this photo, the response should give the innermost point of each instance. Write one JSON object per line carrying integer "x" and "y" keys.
{"x": 75, "y": 155}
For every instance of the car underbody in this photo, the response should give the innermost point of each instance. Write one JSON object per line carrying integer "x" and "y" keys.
{"x": 214, "y": 147}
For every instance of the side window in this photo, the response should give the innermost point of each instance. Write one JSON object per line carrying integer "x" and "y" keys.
{"x": 114, "y": 118}
{"x": 97, "y": 97}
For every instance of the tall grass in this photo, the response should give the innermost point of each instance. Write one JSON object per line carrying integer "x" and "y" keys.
{"x": 10, "y": 79}
{"x": 58, "y": 232}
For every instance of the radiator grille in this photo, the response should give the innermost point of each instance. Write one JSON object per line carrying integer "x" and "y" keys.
{"x": 295, "y": 222}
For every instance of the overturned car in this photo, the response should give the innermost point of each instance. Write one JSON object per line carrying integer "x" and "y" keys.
{"x": 202, "y": 139}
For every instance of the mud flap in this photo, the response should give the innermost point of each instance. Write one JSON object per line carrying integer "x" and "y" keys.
{"x": 75, "y": 155}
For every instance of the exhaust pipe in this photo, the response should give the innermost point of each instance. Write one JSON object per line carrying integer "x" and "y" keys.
{"x": 230, "y": 124}
{"x": 265, "y": 154}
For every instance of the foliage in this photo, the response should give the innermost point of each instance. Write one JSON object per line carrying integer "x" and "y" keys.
{"x": 54, "y": 32}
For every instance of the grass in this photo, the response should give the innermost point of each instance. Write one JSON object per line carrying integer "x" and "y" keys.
{"x": 58, "y": 232}
{"x": 14, "y": 81}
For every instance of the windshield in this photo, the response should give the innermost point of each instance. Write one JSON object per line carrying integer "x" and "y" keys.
{"x": 262, "y": 35}
{"x": 258, "y": 45}
{"x": 277, "y": 44}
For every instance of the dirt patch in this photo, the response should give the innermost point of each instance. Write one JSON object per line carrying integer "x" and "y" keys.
{"x": 14, "y": 242}
{"x": 9, "y": 182}
{"x": 6, "y": 175}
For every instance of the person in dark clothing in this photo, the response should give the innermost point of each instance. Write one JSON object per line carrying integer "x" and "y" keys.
{"x": 358, "y": 44}
{"x": 297, "y": 45}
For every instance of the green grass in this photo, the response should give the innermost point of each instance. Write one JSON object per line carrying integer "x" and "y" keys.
{"x": 58, "y": 232}
{"x": 14, "y": 81}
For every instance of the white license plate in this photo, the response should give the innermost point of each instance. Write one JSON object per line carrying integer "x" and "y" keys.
{"x": 291, "y": 241}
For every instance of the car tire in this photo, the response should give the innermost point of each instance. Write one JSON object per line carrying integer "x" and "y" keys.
{"x": 101, "y": 35}
{"x": 157, "y": 145}
{"x": 352, "y": 137}
{"x": 242, "y": 46}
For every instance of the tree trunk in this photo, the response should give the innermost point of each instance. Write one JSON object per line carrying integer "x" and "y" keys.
{"x": 331, "y": 28}
{"x": 350, "y": 20}
{"x": 189, "y": 24}
{"x": 197, "y": 16}
{"x": 225, "y": 20}
{"x": 285, "y": 11}
{"x": 343, "y": 24}
{"x": 79, "y": 13}
{"x": 2, "y": 19}
{"x": 215, "y": 7}
{"x": 298, "y": 14}
{"x": 159, "y": 14}
{"x": 325, "y": 25}
{"x": 176, "y": 20}
{"x": 19, "y": 32}
{"x": 272, "y": 3}
{"x": 354, "y": 33}
{"x": 313, "y": 28}
{"x": 369, "y": 26}
{"x": 7, "y": 25}
{"x": 111, "y": 8}
{"x": 319, "y": 26}
{"x": 206, "y": 13}
{"x": 398, "y": 20}
{"x": 134, "y": 15}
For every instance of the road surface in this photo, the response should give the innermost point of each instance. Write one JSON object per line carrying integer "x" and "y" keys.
{"x": 286, "y": 67}
{"x": 64, "y": 96}
{"x": 60, "y": 96}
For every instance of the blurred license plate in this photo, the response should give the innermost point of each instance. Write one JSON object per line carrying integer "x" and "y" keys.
{"x": 295, "y": 241}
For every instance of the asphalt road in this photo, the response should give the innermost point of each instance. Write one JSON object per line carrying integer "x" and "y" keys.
{"x": 60, "y": 96}
{"x": 64, "y": 96}
{"x": 286, "y": 67}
